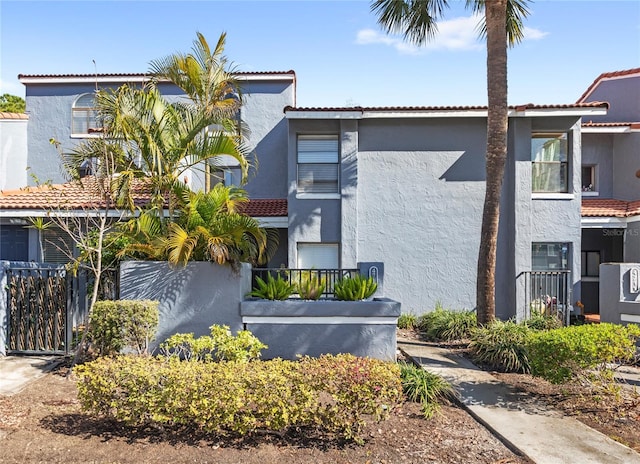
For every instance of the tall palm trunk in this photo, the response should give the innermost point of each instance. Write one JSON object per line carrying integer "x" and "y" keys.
{"x": 497, "y": 122}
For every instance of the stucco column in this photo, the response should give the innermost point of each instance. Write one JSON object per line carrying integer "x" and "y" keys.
{"x": 349, "y": 193}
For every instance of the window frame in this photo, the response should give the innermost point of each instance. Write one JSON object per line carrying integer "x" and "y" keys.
{"x": 307, "y": 192}
{"x": 594, "y": 180}
{"x": 584, "y": 263}
{"x": 551, "y": 253}
{"x": 564, "y": 166}
{"x": 90, "y": 119}
{"x": 318, "y": 245}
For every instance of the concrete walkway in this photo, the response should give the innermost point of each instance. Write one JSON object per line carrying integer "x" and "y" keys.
{"x": 16, "y": 372}
{"x": 544, "y": 435}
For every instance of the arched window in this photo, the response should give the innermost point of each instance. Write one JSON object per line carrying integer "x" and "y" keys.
{"x": 83, "y": 116}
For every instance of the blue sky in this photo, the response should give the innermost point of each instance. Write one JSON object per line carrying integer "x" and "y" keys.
{"x": 340, "y": 56}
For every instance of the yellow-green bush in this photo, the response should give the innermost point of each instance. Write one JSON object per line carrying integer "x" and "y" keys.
{"x": 561, "y": 354}
{"x": 334, "y": 393}
{"x": 115, "y": 325}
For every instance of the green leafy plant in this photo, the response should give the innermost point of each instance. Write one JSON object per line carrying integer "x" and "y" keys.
{"x": 448, "y": 325}
{"x": 502, "y": 346}
{"x": 355, "y": 288}
{"x": 120, "y": 324}
{"x": 427, "y": 388}
{"x": 273, "y": 289}
{"x": 407, "y": 321}
{"x": 336, "y": 394}
{"x": 311, "y": 285}
{"x": 542, "y": 321}
{"x": 570, "y": 352}
{"x": 221, "y": 345}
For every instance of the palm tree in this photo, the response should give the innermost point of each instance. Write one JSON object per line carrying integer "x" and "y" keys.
{"x": 159, "y": 140}
{"x": 209, "y": 226}
{"x": 502, "y": 27}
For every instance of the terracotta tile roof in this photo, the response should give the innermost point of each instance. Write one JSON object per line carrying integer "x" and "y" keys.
{"x": 609, "y": 207}
{"x": 77, "y": 196}
{"x": 630, "y": 125}
{"x": 6, "y": 115}
{"x": 119, "y": 76}
{"x": 527, "y": 106}
{"x": 609, "y": 75}
{"x": 276, "y": 207}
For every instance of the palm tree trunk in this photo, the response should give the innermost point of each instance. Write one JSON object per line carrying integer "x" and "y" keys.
{"x": 497, "y": 123}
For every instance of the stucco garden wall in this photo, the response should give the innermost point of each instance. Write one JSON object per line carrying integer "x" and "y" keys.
{"x": 192, "y": 298}
{"x": 620, "y": 293}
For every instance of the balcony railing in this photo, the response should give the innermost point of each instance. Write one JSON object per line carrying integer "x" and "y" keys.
{"x": 548, "y": 292}
{"x": 297, "y": 276}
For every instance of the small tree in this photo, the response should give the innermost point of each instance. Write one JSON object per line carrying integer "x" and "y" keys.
{"x": 12, "y": 103}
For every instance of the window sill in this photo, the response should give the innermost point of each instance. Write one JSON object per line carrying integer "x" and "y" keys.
{"x": 590, "y": 194}
{"x": 552, "y": 196}
{"x": 318, "y": 196}
{"x": 85, "y": 136}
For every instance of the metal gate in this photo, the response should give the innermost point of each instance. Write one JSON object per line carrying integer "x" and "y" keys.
{"x": 40, "y": 303}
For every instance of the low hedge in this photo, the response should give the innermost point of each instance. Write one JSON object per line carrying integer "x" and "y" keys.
{"x": 334, "y": 393}
{"x": 562, "y": 354}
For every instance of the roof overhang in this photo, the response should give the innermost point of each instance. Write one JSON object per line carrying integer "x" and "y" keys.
{"x": 139, "y": 78}
{"x": 408, "y": 113}
{"x": 607, "y": 222}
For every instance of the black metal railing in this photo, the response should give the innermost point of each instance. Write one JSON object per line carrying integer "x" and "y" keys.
{"x": 299, "y": 276}
{"x": 548, "y": 292}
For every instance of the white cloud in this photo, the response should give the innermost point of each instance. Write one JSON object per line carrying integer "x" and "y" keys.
{"x": 534, "y": 34}
{"x": 458, "y": 34}
{"x": 454, "y": 34}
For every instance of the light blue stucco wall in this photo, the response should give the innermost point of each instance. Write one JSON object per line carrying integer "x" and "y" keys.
{"x": 49, "y": 107}
{"x": 412, "y": 197}
{"x": 13, "y": 153}
{"x": 597, "y": 150}
{"x": 626, "y": 166}
{"x": 623, "y": 98}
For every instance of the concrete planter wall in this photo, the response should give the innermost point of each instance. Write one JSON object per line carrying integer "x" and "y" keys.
{"x": 192, "y": 298}
{"x": 299, "y": 327}
{"x": 620, "y": 293}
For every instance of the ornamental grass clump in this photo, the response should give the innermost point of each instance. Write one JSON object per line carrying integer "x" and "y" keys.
{"x": 448, "y": 325}
{"x": 502, "y": 345}
{"x": 427, "y": 388}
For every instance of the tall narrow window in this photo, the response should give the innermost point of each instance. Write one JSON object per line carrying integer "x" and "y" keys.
{"x": 83, "y": 116}
{"x": 318, "y": 164}
{"x": 549, "y": 157}
{"x": 589, "y": 178}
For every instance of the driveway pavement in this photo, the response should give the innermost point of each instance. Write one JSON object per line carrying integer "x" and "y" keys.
{"x": 17, "y": 371}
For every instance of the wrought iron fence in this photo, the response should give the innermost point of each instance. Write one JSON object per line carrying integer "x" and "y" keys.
{"x": 299, "y": 276}
{"x": 548, "y": 292}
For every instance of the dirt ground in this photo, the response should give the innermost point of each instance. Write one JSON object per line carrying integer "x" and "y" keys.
{"x": 44, "y": 424}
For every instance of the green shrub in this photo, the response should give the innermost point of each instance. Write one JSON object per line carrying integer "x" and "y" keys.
{"x": 220, "y": 346}
{"x": 502, "y": 346}
{"x": 407, "y": 321}
{"x": 333, "y": 393}
{"x": 355, "y": 288}
{"x": 273, "y": 289}
{"x": 542, "y": 321}
{"x": 448, "y": 325}
{"x": 562, "y": 354}
{"x": 120, "y": 324}
{"x": 311, "y": 285}
{"x": 424, "y": 387}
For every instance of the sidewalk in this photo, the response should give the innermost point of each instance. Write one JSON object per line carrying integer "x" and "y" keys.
{"x": 542, "y": 434}
{"x": 18, "y": 371}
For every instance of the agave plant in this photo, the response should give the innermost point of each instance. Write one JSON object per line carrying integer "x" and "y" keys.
{"x": 311, "y": 286}
{"x": 355, "y": 288}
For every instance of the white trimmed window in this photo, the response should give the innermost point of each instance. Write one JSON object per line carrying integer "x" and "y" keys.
{"x": 83, "y": 116}
{"x": 318, "y": 256}
{"x": 318, "y": 164}
{"x": 551, "y": 256}
{"x": 550, "y": 166}
{"x": 589, "y": 184}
